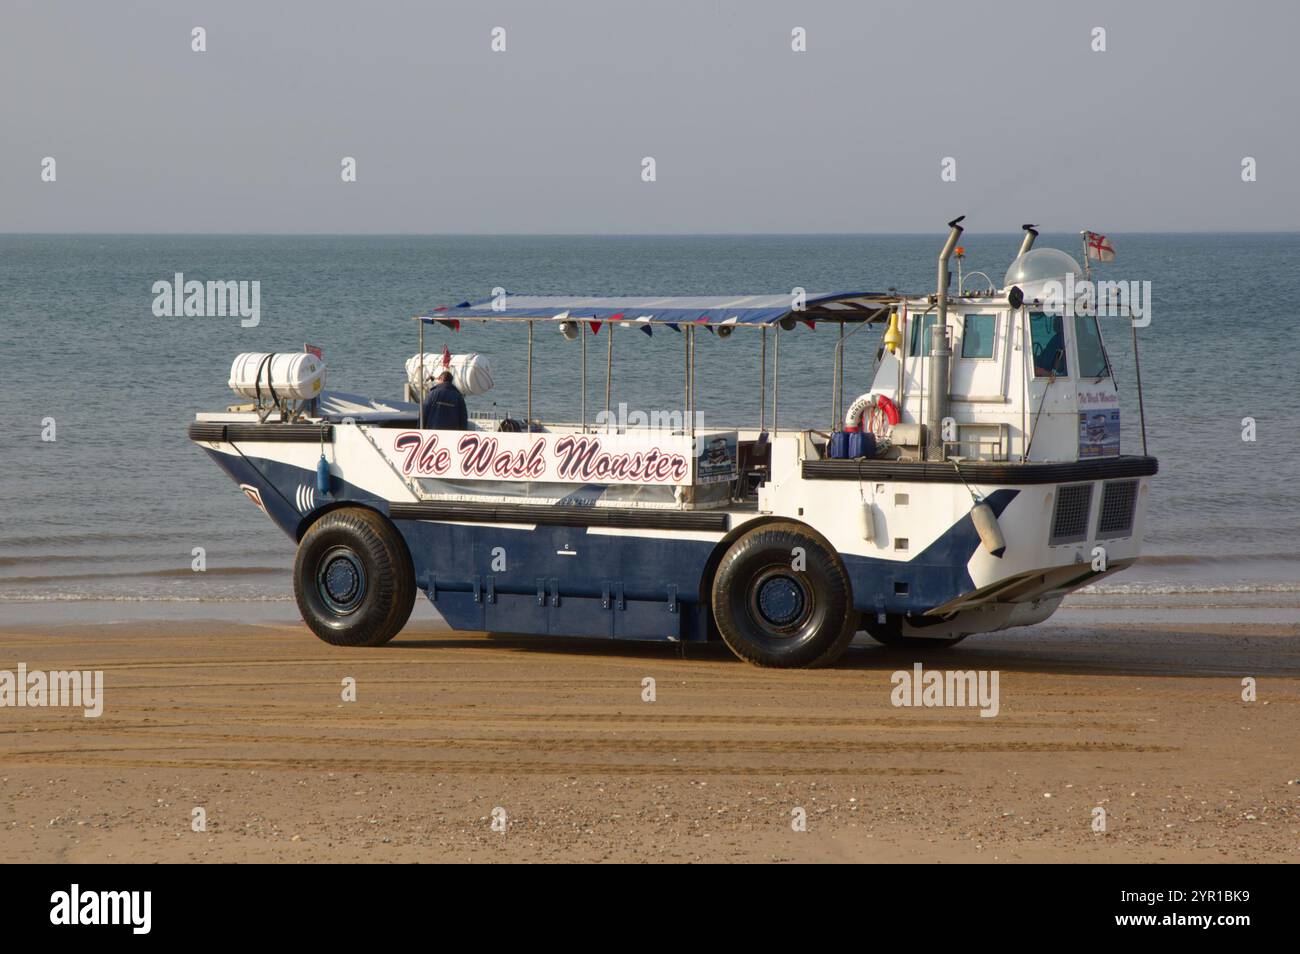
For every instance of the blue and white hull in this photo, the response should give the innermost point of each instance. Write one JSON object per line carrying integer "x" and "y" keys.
{"x": 904, "y": 532}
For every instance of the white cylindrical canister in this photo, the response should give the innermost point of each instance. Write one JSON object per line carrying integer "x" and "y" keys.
{"x": 298, "y": 376}
{"x": 471, "y": 373}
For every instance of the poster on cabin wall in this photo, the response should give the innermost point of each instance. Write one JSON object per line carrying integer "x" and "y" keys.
{"x": 1099, "y": 433}
{"x": 716, "y": 462}
{"x": 1098, "y": 423}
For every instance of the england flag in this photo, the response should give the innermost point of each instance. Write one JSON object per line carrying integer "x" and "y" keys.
{"x": 1098, "y": 247}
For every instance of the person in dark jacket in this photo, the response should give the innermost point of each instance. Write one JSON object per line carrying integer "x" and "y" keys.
{"x": 444, "y": 408}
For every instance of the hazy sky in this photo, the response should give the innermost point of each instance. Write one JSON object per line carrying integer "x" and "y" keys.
{"x": 549, "y": 136}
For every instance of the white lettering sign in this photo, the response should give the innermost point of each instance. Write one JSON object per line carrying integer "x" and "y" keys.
{"x": 663, "y": 459}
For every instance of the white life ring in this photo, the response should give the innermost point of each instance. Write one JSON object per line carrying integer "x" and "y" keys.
{"x": 881, "y": 414}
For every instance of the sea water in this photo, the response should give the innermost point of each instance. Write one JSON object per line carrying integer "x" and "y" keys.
{"x": 118, "y": 507}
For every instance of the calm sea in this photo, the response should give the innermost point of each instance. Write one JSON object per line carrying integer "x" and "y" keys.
{"x": 112, "y": 509}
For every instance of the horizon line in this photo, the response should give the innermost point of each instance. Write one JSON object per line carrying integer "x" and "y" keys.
{"x": 883, "y": 234}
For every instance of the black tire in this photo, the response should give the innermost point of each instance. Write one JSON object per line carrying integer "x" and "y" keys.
{"x": 353, "y": 578}
{"x": 889, "y": 633}
{"x": 770, "y": 613}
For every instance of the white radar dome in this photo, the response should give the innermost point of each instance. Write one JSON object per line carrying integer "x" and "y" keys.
{"x": 1039, "y": 265}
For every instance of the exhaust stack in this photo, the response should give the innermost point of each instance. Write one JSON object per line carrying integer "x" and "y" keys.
{"x": 1031, "y": 233}
{"x": 940, "y": 353}
{"x": 954, "y": 234}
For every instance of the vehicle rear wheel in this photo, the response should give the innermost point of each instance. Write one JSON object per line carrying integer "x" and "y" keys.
{"x": 353, "y": 579}
{"x": 781, "y": 598}
{"x": 890, "y": 633}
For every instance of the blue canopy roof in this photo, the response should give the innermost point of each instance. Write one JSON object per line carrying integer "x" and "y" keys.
{"x": 706, "y": 310}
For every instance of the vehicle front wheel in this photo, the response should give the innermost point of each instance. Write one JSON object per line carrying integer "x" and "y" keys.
{"x": 353, "y": 578}
{"x": 781, "y": 598}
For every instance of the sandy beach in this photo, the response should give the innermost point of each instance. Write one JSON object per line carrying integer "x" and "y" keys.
{"x": 448, "y": 731}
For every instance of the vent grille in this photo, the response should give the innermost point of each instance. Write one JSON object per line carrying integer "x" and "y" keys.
{"x": 1070, "y": 520}
{"x": 1118, "y": 502}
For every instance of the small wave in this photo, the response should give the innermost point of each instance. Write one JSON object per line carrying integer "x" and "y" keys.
{"x": 1178, "y": 589}
{"x": 57, "y": 558}
{"x": 151, "y": 556}
{"x": 82, "y": 537}
{"x": 170, "y": 573}
{"x": 90, "y": 598}
{"x": 1202, "y": 559}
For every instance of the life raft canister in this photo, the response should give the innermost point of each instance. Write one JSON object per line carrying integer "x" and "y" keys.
{"x": 853, "y": 418}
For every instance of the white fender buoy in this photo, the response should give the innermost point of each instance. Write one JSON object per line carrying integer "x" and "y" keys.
{"x": 868, "y": 520}
{"x": 986, "y": 524}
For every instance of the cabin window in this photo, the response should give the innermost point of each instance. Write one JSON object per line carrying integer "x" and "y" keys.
{"x": 921, "y": 325}
{"x": 1047, "y": 334}
{"x": 1087, "y": 341}
{"x": 977, "y": 336}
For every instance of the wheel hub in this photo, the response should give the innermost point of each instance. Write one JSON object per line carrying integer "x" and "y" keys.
{"x": 341, "y": 580}
{"x": 780, "y": 600}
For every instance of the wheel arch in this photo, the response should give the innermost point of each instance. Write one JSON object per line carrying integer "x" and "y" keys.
{"x": 310, "y": 518}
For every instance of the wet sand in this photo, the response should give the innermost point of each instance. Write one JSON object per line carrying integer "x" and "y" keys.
{"x": 1144, "y": 720}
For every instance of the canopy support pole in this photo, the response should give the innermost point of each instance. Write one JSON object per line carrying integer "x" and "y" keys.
{"x": 837, "y": 387}
{"x": 1021, "y": 316}
{"x": 693, "y": 396}
{"x": 421, "y": 375}
{"x": 686, "y": 378}
{"x": 776, "y": 378}
{"x": 528, "y": 422}
{"x": 583, "y": 338}
{"x": 762, "y": 385}
{"x": 609, "y": 368}
{"x": 1137, "y": 367}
